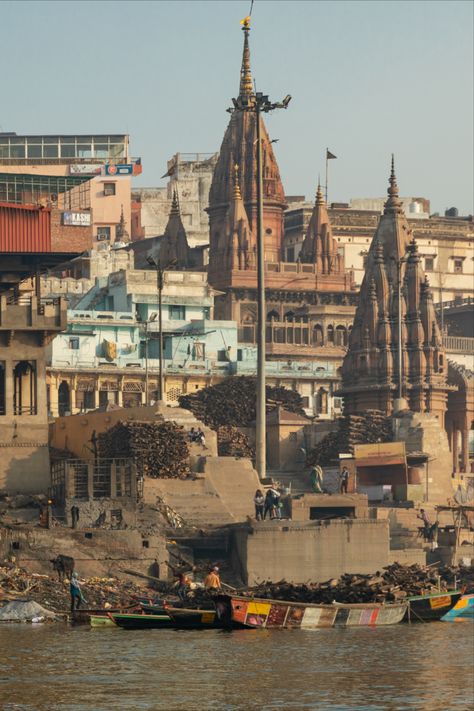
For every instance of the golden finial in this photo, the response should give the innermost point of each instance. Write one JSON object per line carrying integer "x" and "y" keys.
{"x": 246, "y": 81}
{"x": 393, "y": 203}
{"x": 237, "y": 195}
{"x": 319, "y": 195}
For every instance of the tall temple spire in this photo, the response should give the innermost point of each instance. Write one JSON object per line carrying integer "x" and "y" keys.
{"x": 236, "y": 193}
{"x": 319, "y": 194}
{"x": 393, "y": 203}
{"x": 175, "y": 204}
{"x": 246, "y": 82}
{"x": 122, "y": 233}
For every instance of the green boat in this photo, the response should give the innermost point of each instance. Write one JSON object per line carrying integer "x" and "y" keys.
{"x": 101, "y": 621}
{"x": 139, "y": 621}
{"x": 429, "y": 608}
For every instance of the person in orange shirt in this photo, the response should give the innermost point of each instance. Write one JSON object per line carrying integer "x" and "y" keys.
{"x": 213, "y": 581}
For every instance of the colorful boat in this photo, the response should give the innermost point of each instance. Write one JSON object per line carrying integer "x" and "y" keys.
{"x": 428, "y": 608}
{"x": 101, "y": 621}
{"x": 279, "y": 614}
{"x": 462, "y": 611}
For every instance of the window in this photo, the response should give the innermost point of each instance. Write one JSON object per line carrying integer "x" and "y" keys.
{"x": 305, "y": 402}
{"x": 206, "y": 312}
{"x": 458, "y": 266}
{"x": 103, "y": 233}
{"x": 239, "y": 354}
{"x": 290, "y": 254}
{"x": 429, "y": 264}
{"x": 74, "y": 344}
{"x": 223, "y": 355}
{"x": 177, "y": 313}
{"x": 109, "y": 189}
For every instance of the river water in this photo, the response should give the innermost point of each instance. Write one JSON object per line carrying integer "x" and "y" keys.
{"x": 423, "y": 667}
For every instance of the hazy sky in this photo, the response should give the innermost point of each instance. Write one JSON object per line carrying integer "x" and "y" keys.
{"x": 367, "y": 78}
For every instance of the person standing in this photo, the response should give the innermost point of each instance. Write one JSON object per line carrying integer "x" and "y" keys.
{"x": 275, "y": 511}
{"x": 344, "y": 481}
{"x": 316, "y": 476}
{"x": 259, "y": 501}
{"x": 212, "y": 582}
{"x": 76, "y": 593}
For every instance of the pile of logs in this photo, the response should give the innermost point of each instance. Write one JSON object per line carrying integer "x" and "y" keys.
{"x": 233, "y": 443}
{"x": 159, "y": 449}
{"x": 367, "y": 428}
{"x": 395, "y": 582}
{"x": 233, "y": 402}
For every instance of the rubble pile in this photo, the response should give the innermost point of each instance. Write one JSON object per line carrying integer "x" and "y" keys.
{"x": 233, "y": 443}
{"x": 17, "y": 584}
{"x": 395, "y": 582}
{"x": 233, "y": 402}
{"x": 368, "y": 428}
{"x": 159, "y": 449}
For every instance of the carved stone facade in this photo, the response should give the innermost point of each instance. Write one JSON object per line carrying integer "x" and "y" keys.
{"x": 370, "y": 369}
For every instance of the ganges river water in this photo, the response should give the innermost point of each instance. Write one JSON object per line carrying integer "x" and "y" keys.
{"x": 423, "y": 666}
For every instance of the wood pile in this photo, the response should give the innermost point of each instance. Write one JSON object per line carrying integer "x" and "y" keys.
{"x": 368, "y": 428}
{"x": 395, "y": 582}
{"x": 159, "y": 449}
{"x": 233, "y": 443}
{"x": 233, "y": 402}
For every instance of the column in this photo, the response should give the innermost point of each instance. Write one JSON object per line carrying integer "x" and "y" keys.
{"x": 53, "y": 397}
{"x": 465, "y": 448}
{"x": 96, "y": 396}
{"x": 120, "y": 398}
{"x": 455, "y": 447}
{"x": 72, "y": 400}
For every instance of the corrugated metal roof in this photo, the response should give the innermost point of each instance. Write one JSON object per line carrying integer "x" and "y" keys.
{"x": 24, "y": 228}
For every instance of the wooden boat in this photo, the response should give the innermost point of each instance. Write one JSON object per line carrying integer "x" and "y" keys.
{"x": 83, "y": 617}
{"x": 101, "y": 621}
{"x": 428, "y": 608}
{"x": 279, "y": 614}
{"x": 184, "y": 618}
{"x": 462, "y": 611}
{"x": 139, "y": 621}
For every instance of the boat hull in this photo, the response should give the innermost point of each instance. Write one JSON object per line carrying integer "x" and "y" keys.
{"x": 279, "y": 614}
{"x": 101, "y": 621}
{"x": 463, "y": 610}
{"x": 142, "y": 622}
{"x": 430, "y": 608}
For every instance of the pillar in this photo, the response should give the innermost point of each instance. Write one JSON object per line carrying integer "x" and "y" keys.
{"x": 53, "y": 397}
{"x": 96, "y": 396}
{"x": 465, "y": 448}
{"x": 455, "y": 447}
{"x": 120, "y": 398}
{"x": 72, "y": 401}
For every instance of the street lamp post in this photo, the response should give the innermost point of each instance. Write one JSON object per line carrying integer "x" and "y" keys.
{"x": 259, "y": 103}
{"x": 159, "y": 283}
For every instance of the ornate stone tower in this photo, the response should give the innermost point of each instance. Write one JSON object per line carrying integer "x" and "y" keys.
{"x": 174, "y": 247}
{"x": 370, "y": 368}
{"x": 319, "y": 246}
{"x": 238, "y": 147}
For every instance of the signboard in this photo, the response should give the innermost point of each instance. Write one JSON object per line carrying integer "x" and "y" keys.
{"x": 115, "y": 169}
{"x": 77, "y": 219}
{"x": 85, "y": 169}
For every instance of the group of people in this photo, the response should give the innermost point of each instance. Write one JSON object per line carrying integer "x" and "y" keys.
{"x": 316, "y": 476}
{"x": 197, "y": 436}
{"x": 186, "y": 583}
{"x": 270, "y": 504}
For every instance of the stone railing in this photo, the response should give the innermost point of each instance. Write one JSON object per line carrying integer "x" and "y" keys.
{"x": 460, "y": 344}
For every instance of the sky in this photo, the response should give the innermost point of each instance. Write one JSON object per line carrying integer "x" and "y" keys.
{"x": 366, "y": 79}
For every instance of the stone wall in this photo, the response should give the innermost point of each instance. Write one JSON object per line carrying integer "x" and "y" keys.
{"x": 314, "y": 552}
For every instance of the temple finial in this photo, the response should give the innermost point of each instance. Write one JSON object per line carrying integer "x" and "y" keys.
{"x": 175, "y": 204}
{"x": 393, "y": 203}
{"x": 319, "y": 194}
{"x": 235, "y": 177}
{"x": 122, "y": 233}
{"x": 246, "y": 81}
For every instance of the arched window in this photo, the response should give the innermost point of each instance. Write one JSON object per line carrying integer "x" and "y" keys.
{"x": 318, "y": 335}
{"x": 322, "y": 401}
{"x": 290, "y": 316}
{"x": 64, "y": 405}
{"x": 24, "y": 388}
{"x": 341, "y": 336}
{"x": 330, "y": 333}
{"x": 273, "y": 315}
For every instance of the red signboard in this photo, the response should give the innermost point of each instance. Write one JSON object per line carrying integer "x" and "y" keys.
{"x": 24, "y": 229}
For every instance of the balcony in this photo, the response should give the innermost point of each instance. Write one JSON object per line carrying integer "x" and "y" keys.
{"x": 32, "y": 314}
{"x": 459, "y": 344}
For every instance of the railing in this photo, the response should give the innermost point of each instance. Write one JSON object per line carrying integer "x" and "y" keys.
{"x": 454, "y": 303}
{"x": 461, "y": 344}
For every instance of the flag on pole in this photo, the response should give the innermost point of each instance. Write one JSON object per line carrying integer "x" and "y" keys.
{"x": 329, "y": 155}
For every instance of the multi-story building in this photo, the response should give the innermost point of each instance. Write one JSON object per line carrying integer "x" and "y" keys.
{"x": 190, "y": 176}
{"x": 110, "y": 352}
{"x": 28, "y": 322}
{"x": 446, "y": 244}
{"x": 104, "y": 161}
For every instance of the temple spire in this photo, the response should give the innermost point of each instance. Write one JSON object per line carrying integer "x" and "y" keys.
{"x": 319, "y": 195}
{"x": 174, "y": 204}
{"x": 393, "y": 203}
{"x": 246, "y": 81}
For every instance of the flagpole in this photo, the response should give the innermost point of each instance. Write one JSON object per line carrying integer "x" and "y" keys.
{"x": 327, "y": 166}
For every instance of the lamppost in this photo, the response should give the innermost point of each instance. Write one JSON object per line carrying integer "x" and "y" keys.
{"x": 399, "y": 263}
{"x": 148, "y": 321}
{"x": 258, "y": 103}
{"x": 159, "y": 283}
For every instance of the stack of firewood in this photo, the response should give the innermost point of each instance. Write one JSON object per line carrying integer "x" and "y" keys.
{"x": 159, "y": 449}
{"x": 233, "y": 443}
{"x": 370, "y": 427}
{"x": 395, "y": 582}
{"x": 233, "y": 402}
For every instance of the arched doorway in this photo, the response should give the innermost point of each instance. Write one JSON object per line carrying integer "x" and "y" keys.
{"x": 24, "y": 388}
{"x": 64, "y": 399}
